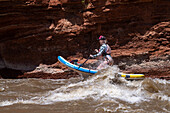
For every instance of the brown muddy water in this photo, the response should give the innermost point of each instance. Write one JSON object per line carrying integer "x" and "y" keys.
{"x": 100, "y": 93}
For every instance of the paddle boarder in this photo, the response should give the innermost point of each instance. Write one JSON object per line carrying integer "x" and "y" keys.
{"x": 104, "y": 52}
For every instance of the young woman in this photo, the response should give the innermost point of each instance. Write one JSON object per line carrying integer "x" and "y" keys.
{"x": 105, "y": 52}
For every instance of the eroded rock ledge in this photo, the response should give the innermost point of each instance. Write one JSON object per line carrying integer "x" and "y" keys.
{"x": 35, "y": 32}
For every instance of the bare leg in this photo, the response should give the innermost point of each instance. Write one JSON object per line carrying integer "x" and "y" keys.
{"x": 102, "y": 65}
{"x": 110, "y": 60}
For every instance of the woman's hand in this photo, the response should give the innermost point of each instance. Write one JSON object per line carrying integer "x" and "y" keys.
{"x": 96, "y": 50}
{"x": 91, "y": 56}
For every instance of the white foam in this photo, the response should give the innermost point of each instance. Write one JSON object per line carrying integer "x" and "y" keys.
{"x": 161, "y": 81}
{"x": 160, "y": 96}
{"x": 2, "y": 89}
{"x": 97, "y": 87}
{"x": 17, "y": 101}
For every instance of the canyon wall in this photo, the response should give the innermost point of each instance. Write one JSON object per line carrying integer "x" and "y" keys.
{"x": 37, "y": 31}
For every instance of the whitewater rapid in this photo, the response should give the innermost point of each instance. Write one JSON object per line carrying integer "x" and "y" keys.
{"x": 100, "y": 88}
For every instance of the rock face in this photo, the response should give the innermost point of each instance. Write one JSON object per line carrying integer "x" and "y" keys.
{"x": 37, "y": 31}
{"x": 148, "y": 53}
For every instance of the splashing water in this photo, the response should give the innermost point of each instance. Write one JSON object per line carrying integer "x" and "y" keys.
{"x": 103, "y": 92}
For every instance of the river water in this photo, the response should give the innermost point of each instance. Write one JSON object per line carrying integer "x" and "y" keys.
{"x": 100, "y": 93}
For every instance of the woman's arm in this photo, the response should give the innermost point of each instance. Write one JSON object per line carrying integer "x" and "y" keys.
{"x": 96, "y": 50}
{"x": 102, "y": 48}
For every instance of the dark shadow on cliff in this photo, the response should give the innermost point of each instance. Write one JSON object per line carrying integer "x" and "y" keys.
{"x": 10, "y": 73}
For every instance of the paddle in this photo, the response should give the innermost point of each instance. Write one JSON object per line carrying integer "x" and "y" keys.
{"x": 83, "y": 63}
{"x": 89, "y": 49}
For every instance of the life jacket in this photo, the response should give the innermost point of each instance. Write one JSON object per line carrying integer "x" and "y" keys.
{"x": 107, "y": 50}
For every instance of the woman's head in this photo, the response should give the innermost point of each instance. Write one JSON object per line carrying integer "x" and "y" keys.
{"x": 102, "y": 40}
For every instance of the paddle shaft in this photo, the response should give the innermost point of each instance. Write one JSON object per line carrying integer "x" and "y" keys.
{"x": 88, "y": 57}
{"x": 84, "y": 62}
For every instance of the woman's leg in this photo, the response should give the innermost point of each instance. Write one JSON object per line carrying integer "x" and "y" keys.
{"x": 110, "y": 60}
{"x": 102, "y": 65}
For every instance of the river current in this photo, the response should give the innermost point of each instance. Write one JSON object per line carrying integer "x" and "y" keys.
{"x": 103, "y": 92}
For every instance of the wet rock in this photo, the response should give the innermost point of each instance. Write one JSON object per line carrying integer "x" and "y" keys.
{"x": 35, "y": 32}
{"x": 150, "y": 57}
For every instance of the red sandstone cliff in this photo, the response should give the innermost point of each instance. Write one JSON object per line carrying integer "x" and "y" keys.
{"x": 37, "y": 31}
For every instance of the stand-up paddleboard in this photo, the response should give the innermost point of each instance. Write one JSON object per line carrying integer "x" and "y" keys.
{"x": 87, "y": 71}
